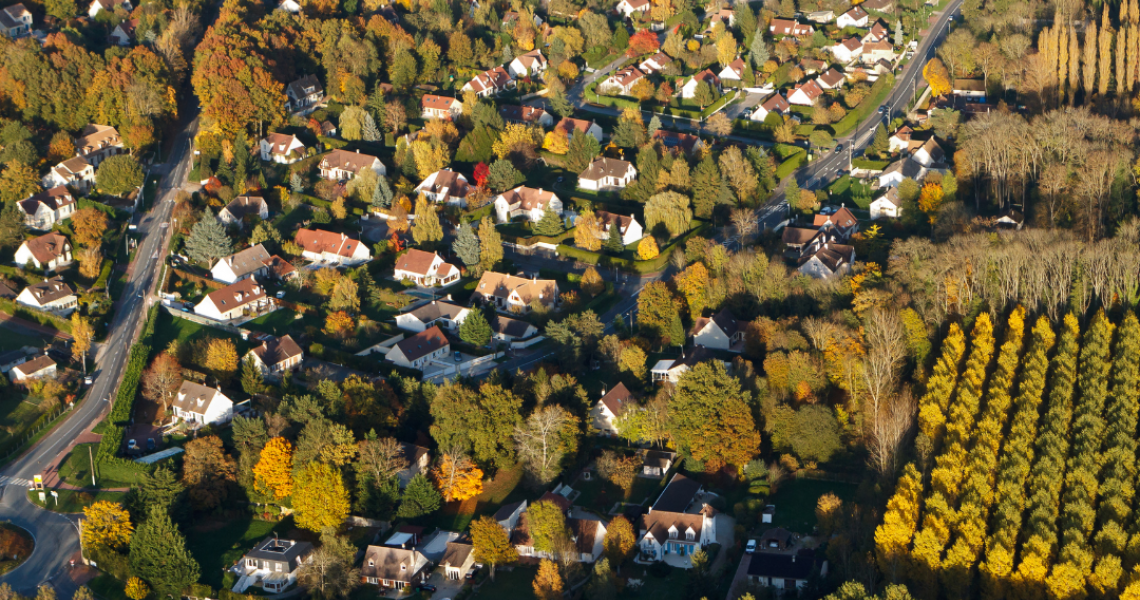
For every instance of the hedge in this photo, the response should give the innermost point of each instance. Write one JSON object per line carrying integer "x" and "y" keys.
{"x": 110, "y": 211}
{"x": 640, "y": 266}
{"x": 43, "y": 318}
{"x": 110, "y": 464}
{"x": 104, "y": 275}
{"x": 871, "y": 103}
{"x": 793, "y": 162}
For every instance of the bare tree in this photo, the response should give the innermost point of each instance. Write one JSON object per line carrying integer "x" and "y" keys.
{"x": 745, "y": 222}
{"x": 328, "y": 575}
{"x": 893, "y": 425}
{"x": 382, "y": 458}
{"x": 542, "y": 441}
{"x": 886, "y": 350}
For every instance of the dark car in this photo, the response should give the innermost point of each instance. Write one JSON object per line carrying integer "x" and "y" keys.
{"x": 425, "y": 587}
{"x": 149, "y": 444}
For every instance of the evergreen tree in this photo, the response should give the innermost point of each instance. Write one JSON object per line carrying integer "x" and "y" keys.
{"x": 368, "y": 288}
{"x": 426, "y": 228}
{"x": 297, "y": 184}
{"x": 706, "y": 187}
{"x": 654, "y": 125}
{"x": 621, "y": 38}
{"x": 208, "y": 241}
{"x": 161, "y": 491}
{"x": 376, "y": 104}
{"x": 746, "y": 23}
{"x": 382, "y": 193}
{"x": 614, "y": 244}
{"x": 475, "y": 330}
{"x": 158, "y": 555}
{"x": 898, "y": 33}
{"x": 881, "y": 145}
{"x": 466, "y": 245}
{"x": 758, "y": 51}
{"x": 583, "y": 148}
{"x": 550, "y": 224}
{"x": 503, "y": 176}
{"x": 420, "y": 498}
{"x": 559, "y": 104}
{"x": 251, "y": 379}
{"x": 370, "y": 133}
{"x": 490, "y": 245}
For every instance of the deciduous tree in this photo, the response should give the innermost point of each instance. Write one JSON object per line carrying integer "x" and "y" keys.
{"x": 119, "y": 174}
{"x": 106, "y": 525}
{"x": 88, "y": 224}
{"x": 207, "y": 472}
{"x": 709, "y": 416}
{"x": 458, "y": 478}
{"x": 549, "y": 434}
{"x": 273, "y": 473}
{"x": 547, "y": 582}
{"x": 492, "y": 544}
{"x": 319, "y": 497}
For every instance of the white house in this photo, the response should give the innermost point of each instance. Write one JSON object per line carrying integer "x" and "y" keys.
{"x": 124, "y": 33}
{"x": 275, "y": 356}
{"x": 899, "y": 170}
{"x": 631, "y": 230}
{"x": 622, "y": 81}
{"x": 831, "y": 79}
{"x": 37, "y": 368}
{"x": 612, "y": 405}
{"x": 51, "y": 295}
{"x": 234, "y": 301}
{"x": 725, "y": 16}
{"x": 734, "y": 71}
{"x": 292, "y": 6}
{"x": 509, "y": 330}
{"x": 720, "y": 332}
{"x": 425, "y": 268}
{"x": 588, "y": 535}
{"x": 531, "y": 64}
{"x": 458, "y": 558}
{"x": 241, "y": 207}
{"x": 689, "y": 90}
{"x": 875, "y": 52}
{"x": 829, "y": 261}
{"x": 972, "y": 89}
{"x": 514, "y": 294}
{"x": 199, "y": 405}
{"x": 446, "y": 187}
{"x": 43, "y": 210}
{"x": 525, "y": 201}
{"x": 822, "y": 17}
{"x": 785, "y": 571}
{"x": 788, "y": 27}
{"x": 929, "y": 154}
{"x": 628, "y": 7}
{"x": 274, "y": 563}
{"x": 323, "y": 246}
{"x": 16, "y": 21}
{"x": 490, "y": 82}
{"x": 877, "y": 33}
{"x": 607, "y": 174}
{"x": 49, "y": 252}
{"x": 842, "y": 222}
{"x": 847, "y": 50}
{"x": 74, "y": 172}
{"x": 108, "y": 5}
{"x": 656, "y": 463}
{"x": 394, "y": 567}
{"x": 887, "y": 206}
{"x": 282, "y": 148}
{"x": 805, "y": 94}
{"x": 304, "y": 95}
{"x": 777, "y": 104}
{"x": 253, "y": 261}
{"x": 588, "y": 127}
{"x": 856, "y": 17}
{"x": 669, "y": 532}
{"x": 656, "y": 62}
{"x": 673, "y": 370}
{"x": 439, "y": 313}
{"x": 440, "y": 107}
{"x": 97, "y": 143}
{"x": 419, "y": 350}
{"x": 342, "y": 165}
{"x": 901, "y": 140}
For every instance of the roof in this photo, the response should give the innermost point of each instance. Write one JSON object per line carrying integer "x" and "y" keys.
{"x": 933, "y": 150}
{"x": 455, "y": 183}
{"x": 789, "y": 27}
{"x": 678, "y": 495}
{"x": 627, "y": 76}
{"x": 672, "y": 139}
{"x": 777, "y": 103}
{"x": 521, "y": 114}
{"x": 776, "y": 534}
{"x": 7, "y": 291}
{"x": 852, "y": 44}
{"x": 609, "y": 218}
{"x": 304, "y": 86}
{"x": 54, "y": 198}
{"x": 247, "y": 261}
{"x": 531, "y": 58}
{"x": 241, "y": 206}
{"x": 48, "y": 247}
{"x": 657, "y": 523}
{"x": 505, "y": 511}
{"x": 36, "y": 365}
{"x": 879, "y": 5}
{"x": 416, "y": 261}
{"x": 527, "y": 198}
{"x": 636, "y": 4}
{"x": 856, "y": 13}
{"x": 658, "y": 458}
{"x": 10, "y": 16}
{"x": 352, "y": 162}
{"x": 74, "y": 165}
{"x": 903, "y": 133}
{"x": 782, "y": 566}
{"x": 584, "y": 532}
{"x": 412, "y": 453}
{"x": 797, "y": 236}
{"x": 278, "y": 350}
{"x": 456, "y": 554}
{"x": 280, "y": 267}
{"x": 196, "y": 398}
{"x": 557, "y": 499}
{"x": 605, "y": 167}
{"x": 509, "y": 327}
{"x": 96, "y": 137}
{"x": 392, "y": 564}
{"x": 492, "y": 79}
{"x": 438, "y": 102}
{"x": 708, "y": 77}
{"x": 422, "y": 343}
{"x": 501, "y": 285}
{"x": 49, "y": 290}
{"x": 969, "y": 85}
{"x": 883, "y": 46}
{"x": 832, "y": 77}
{"x": 842, "y": 218}
{"x": 128, "y": 27}
{"x": 811, "y": 89}
{"x": 737, "y": 66}
{"x": 437, "y": 309}
{"x": 891, "y": 196}
{"x": 879, "y": 29}
{"x": 321, "y": 241}
{"x": 280, "y": 143}
{"x": 906, "y": 166}
{"x": 660, "y": 59}
{"x": 831, "y": 255}
{"x": 237, "y": 295}
{"x": 273, "y": 548}
{"x": 569, "y": 125}
{"x": 617, "y": 399}
{"x": 723, "y": 319}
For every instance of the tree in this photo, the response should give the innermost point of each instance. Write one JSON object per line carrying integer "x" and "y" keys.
{"x": 208, "y": 241}
{"x": 329, "y": 572}
{"x": 550, "y": 224}
{"x": 106, "y": 525}
{"x": 89, "y": 224}
{"x": 490, "y": 245}
{"x": 670, "y": 210}
{"x": 160, "y": 490}
{"x": 458, "y": 478}
{"x": 703, "y": 94}
{"x": 547, "y": 525}
{"x": 426, "y": 227}
{"x": 252, "y": 381}
{"x": 382, "y": 193}
{"x": 643, "y": 42}
{"x": 880, "y": 146}
{"x": 588, "y": 231}
{"x": 221, "y": 357}
{"x": 119, "y": 174}
{"x": 692, "y": 283}
{"x": 937, "y": 77}
{"x": 319, "y": 497}
{"x": 545, "y": 439}
{"x": 591, "y": 283}
{"x": 758, "y": 51}
{"x": 614, "y": 244}
{"x": 162, "y": 380}
{"x": 475, "y": 330}
{"x": 547, "y": 582}
{"x": 420, "y": 498}
{"x": 207, "y": 472}
{"x": 466, "y": 245}
{"x": 709, "y": 416}
{"x": 603, "y": 585}
{"x": 18, "y": 181}
{"x": 821, "y": 139}
{"x": 90, "y": 262}
{"x": 657, "y": 308}
{"x": 719, "y": 125}
{"x": 64, "y": 10}
{"x": 503, "y": 176}
{"x": 930, "y": 201}
{"x": 159, "y": 556}
{"x": 618, "y": 470}
{"x": 136, "y": 589}
{"x": 273, "y": 474}
{"x": 620, "y": 541}
{"x": 492, "y": 544}
{"x": 82, "y": 335}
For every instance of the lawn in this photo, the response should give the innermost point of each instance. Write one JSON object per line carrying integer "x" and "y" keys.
{"x": 278, "y": 322}
{"x": 14, "y": 340}
{"x": 74, "y": 502}
{"x": 504, "y": 488}
{"x": 516, "y": 583}
{"x": 795, "y": 502}
{"x": 170, "y": 328}
{"x": 600, "y": 495}
{"x": 216, "y": 544}
{"x": 107, "y": 587}
{"x": 76, "y": 468}
{"x": 851, "y": 192}
{"x": 657, "y": 588}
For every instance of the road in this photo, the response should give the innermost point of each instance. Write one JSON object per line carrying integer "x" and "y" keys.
{"x": 56, "y": 535}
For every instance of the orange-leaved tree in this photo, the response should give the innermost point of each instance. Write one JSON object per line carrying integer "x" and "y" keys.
{"x": 458, "y": 478}
{"x": 936, "y": 74}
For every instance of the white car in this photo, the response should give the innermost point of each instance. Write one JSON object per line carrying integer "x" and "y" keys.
{"x": 751, "y": 547}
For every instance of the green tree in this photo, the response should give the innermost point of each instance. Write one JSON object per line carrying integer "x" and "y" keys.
{"x": 547, "y": 525}
{"x": 208, "y": 241}
{"x": 758, "y": 51}
{"x": 63, "y": 10}
{"x": 503, "y": 176}
{"x": 621, "y": 38}
{"x": 18, "y": 181}
{"x": 492, "y": 544}
{"x": 475, "y": 330}
{"x": 426, "y": 228}
{"x": 614, "y": 243}
{"x": 706, "y": 187}
{"x": 466, "y": 245}
{"x": 603, "y": 584}
{"x": 583, "y": 148}
{"x": 880, "y": 146}
{"x": 382, "y": 193}
{"x": 402, "y": 72}
{"x": 703, "y": 94}
{"x": 119, "y": 174}
{"x": 490, "y": 245}
{"x": 420, "y": 498}
{"x": 320, "y": 499}
{"x": 669, "y": 209}
{"x": 252, "y": 382}
{"x": 481, "y": 424}
{"x": 710, "y": 418}
{"x": 657, "y": 307}
{"x": 160, "y": 490}
{"x": 550, "y": 224}
{"x": 159, "y": 556}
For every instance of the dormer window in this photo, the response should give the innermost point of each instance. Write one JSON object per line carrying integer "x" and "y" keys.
{"x": 371, "y": 563}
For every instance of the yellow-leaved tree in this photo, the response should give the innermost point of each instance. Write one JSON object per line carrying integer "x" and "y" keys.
{"x": 319, "y": 497}
{"x": 273, "y": 473}
{"x": 458, "y": 478}
{"x": 136, "y": 589}
{"x": 647, "y": 248}
{"x": 106, "y": 525}
{"x": 222, "y": 357}
{"x": 938, "y": 77}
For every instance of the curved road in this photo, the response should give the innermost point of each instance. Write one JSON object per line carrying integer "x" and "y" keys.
{"x": 56, "y": 535}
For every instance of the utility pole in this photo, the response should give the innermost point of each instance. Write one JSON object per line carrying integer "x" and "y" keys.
{"x": 92, "y": 462}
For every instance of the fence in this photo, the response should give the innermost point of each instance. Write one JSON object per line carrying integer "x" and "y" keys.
{"x": 205, "y": 321}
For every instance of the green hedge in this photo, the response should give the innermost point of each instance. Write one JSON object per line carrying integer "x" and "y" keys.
{"x": 110, "y": 464}
{"x": 725, "y": 99}
{"x": 104, "y": 275}
{"x": 793, "y": 162}
{"x": 869, "y": 104}
{"x": 592, "y": 95}
{"x": 30, "y": 314}
{"x": 110, "y": 211}
{"x": 640, "y": 266}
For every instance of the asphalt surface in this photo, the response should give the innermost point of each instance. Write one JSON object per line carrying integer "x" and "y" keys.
{"x": 56, "y": 535}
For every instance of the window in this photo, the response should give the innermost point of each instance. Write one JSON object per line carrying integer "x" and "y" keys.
{"x": 277, "y": 567}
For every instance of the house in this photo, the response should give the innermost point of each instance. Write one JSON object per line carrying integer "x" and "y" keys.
{"x": 440, "y": 107}
{"x": 877, "y": 33}
{"x": 734, "y": 71}
{"x": 425, "y": 268}
{"x": 899, "y": 170}
{"x": 108, "y": 5}
{"x": 50, "y": 295}
{"x": 887, "y": 206}
{"x": 247, "y": 263}
{"x": 446, "y": 187}
{"x": 490, "y": 83}
{"x": 291, "y": 6}
{"x": 588, "y": 536}
{"x": 785, "y": 27}
{"x": 622, "y": 81}
{"x": 281, "y": 148}
{"x": 628, "y": 226}
{"x": 628, "y": 7}
{"x": 417, "y": 351}
{"x": 973, "y": 90}
{"x": 847, "y": 50}
{"x": 725, "y": 16}
{"x": 37, "y": 368}
{"x": 842, "y": 222}
{"x": 97, "y": 143}
{"x": 527, "y": 115}
{"x": 900, "y": 141}
{"x": 277, "y": 355}
{"x": 806, "y": 239}
{"x": 16, "y": 20}
{"x": 417, "y": 459}
{"x": 689, "y": 90}
{"x": 830, "y": 79}
{"x": 7, "y": 291}
{"x": 245, "y": 297}
{"x": 720, "y": 332}
{"x": 395, "y": 568}
{"x": 670, "y": 529}
{"x": 823, "y": 17}
{"x": 124, "y": 33}
{"x": 875, "y": 52}
{"x": 43, "y": 210}
{"x": 1011, "y": 218}
{"x": 828, "y": 261}
{"x": 856, "y": 17}
{"x": 73, "y": 172}
{"x": 280, "y": 269}
{"x": 656, "y": 463}
{"x": 523, "y": 542}
{"x": 437, "y": 312}
{"x": 570, "y": 125}
{"x": 525, "y": 201}
{"x": 509, "y": 330}
{"x": 612, "y": 405}
{"x": 328, "y": 129}
{"x": 810, "y": 66}
{"x": 48, "y": 252}
{"x": 805, "y": 94}
{"x": 201, "y": 405}
{"x": 883, "y": 6}
{"x": 342, "y": 165}
{"x": 273, "y": 564}
{"x": 458, "y": 559}
{"x": 929, "y": 154}
{"x": 655, "y": 63}
{"x": 776, "y": 104}
{"x": 241, "y": 207}
{"x": 784, "y": 571}
{"x": 319, "y": 245}
{"x": 685, "y": 141}
{"x": 607, "y": 175}
{"x": 508, "y": 514}
{"x": 14, "y": 357}
{"x": 531, "y": 64}
{"x": 672, "y": 370}
{"x": 510, "y": 293}
{"x": 511, "y": 16}
{"x": 304, "y": 95}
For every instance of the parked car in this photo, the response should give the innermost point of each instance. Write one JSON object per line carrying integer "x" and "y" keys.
{"x": 473, "y": 572}
{"x": 132, "y": 445}
{"x": 149, "y": 444}
{"x": 458, "y": 357}
{"x": 751, "y": 547}
{"x": 425, "y": 587}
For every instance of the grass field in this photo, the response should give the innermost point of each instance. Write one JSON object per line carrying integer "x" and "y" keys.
{"x": 795, "y": 502}
{"x": 504, "y": 488}
{"x": 11, "y": 339}
{"x": 516, "y": 583}
{"x": 600, "y": 495}
{"x": 170, "y": 328}
{"x": 72, "y": 501}
{"x": 658, "y": 588}
{"x": 76, "y": 468}
{"x": 216, "y": 544}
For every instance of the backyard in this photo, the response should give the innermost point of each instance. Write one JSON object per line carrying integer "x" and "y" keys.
{"x": 218, "y": 542}
{"x": 170, "y": 328}
{"x": 518, "y": 582}
{"x": 795, "y": 502}
{"x": 504, "y": 488}
{"x": 601, "y": 495}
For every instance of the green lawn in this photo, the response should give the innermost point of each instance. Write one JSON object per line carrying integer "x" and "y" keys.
{"x": 658, "y": 588}
{"x": 600, "y": 495}
{"x": 170, "y": 328}
{"x": 217, "y": 545}
{"x": 74, "y": 502}
{"x": 795, "y": 502}
{"x": 13, "y": 340}
{"x": 107, "y": 587}
{"x": 516, "y": 583}
{"x": 76, "y": 468}
{"x": 278, "y": 322}
{"x": 503, "y": 489}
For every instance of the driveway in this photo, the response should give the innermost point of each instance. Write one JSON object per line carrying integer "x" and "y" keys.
{"x": 445, "y": 588}
{"x": 739, "y": 580}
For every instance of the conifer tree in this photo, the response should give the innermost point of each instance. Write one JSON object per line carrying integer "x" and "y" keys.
{"x": 382, "y": 193}
{"x": 252, "y": 381}
{"x": 159, "y": 556}
{"x": 550, "y": 224}
{"x": 614, "y": 244}
{"x": 466, "y": 245}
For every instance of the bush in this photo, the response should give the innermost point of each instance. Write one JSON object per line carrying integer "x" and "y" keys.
{"x": 659, "y": 570}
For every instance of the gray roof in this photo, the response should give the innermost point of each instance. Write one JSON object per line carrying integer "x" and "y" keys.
{"x": 288, "y": 551}
{"x": 782, "y": 566}
{"x": 50, "y": 290}
{"x": 247, "y": 261}
{"x": 456, "y": 554}
{"x": 196, "y": 398}
{"x": 605, "y": 167}
{"x": 506, "y": 510}
{"x": 392, "y": 564}
{"x": 437, "y": 309}
{"x": 658, "y": 458}
{"x": 678, "y": 495}
{"x": 296, "y": 89}
{"x": 510, "y": 327}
